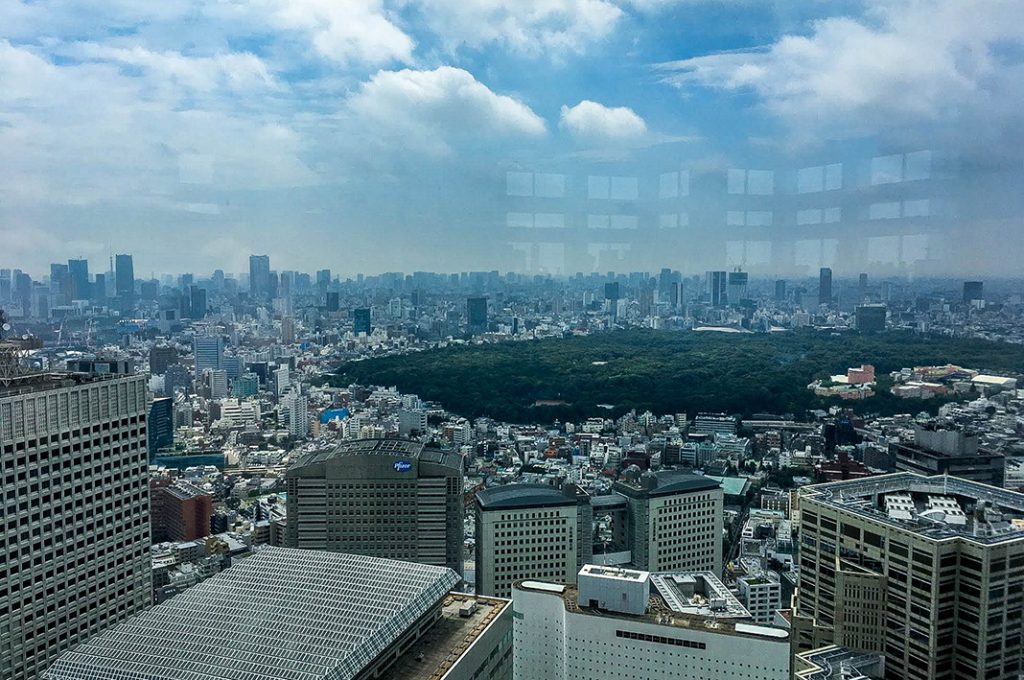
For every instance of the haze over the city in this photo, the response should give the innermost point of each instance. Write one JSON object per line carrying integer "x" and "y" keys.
{"x": 542, "y": 136}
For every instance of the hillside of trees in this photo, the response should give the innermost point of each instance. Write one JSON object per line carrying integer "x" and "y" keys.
{"x": 665, "y": 372}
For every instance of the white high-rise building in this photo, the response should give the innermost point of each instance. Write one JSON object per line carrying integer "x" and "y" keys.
{"x": 295, "y": 411}
{"x": 73, "y": 464}
{"x": 615, "y": 625}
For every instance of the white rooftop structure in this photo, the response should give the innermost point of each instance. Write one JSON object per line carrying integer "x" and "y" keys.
{"x": 282, "y": 614}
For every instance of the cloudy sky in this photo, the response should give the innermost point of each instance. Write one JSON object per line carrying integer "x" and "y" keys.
{"x": 366, "y": 135}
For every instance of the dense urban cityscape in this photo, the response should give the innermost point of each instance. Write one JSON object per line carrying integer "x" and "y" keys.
{"x": 181, "y": 447}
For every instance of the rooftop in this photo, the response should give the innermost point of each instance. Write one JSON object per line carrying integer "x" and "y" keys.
{"x": 939, "y": 507}
{"x": 282, "y": 614}
{"x": 397, "y": 448}
{"x": 512, "y": 496}
{"x": 36, "y": 382}
{"x": 666, "y": 482}
{"x": 448, "y": 639}
{"x": 698, "y": 594}
{"x": 659, "y": 612}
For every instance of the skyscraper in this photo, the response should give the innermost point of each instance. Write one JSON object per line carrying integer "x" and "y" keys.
{"x": 160, "y": 425}
{"x": 973, "y": 290}
{"x": 208, "y": 351}
{"x": 825, "y": 286}
{"x": 78, "y": 272}
{"x": 361, "y": 321}
{"x": 780, "y": 290}
{"x": 862, "y": 287}
{"x": 74, "y": 470}
{"x": 197, "y": 299}
{"x": 737, "y": 287}
{"x": 381, "y": 497}
{"x": 124, "y": 276}
{"x": 476, "y": 312}
{"x": 925, "y": 570}
{"x": 716, "y": 284}
{"x": 259, "y": 275}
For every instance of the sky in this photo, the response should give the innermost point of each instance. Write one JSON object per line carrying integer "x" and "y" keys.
{"x": 376, "y": 135}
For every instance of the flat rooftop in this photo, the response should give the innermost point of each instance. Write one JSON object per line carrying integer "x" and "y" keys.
{"x": 698, "y": 594}
{"x": 36, "y": 382}
{"x": 659, "y": 612}
{"x": 513, "y": 496}
{"x": 397, "y": 448}
{"x": 666, "y": 483}
{"x": 938, "y": 507}
{"x": 282, "y": 614}
{"x": 448, "y": 639}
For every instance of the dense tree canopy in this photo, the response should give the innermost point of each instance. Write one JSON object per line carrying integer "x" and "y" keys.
{"x": 665, "y": 372}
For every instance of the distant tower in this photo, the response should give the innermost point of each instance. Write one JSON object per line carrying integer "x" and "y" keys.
{"x": 259, "y": 275}
{"x": 973, "y": 290}
{"x": 780, "y": 290}
{"x": 862, "y": 287}
{"x": 124, "y": 276}
{"x": 716, "y": 284}
{"x": 825, "y": 286}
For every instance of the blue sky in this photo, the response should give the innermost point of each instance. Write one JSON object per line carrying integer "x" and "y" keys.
{"x": 363, "y": 134}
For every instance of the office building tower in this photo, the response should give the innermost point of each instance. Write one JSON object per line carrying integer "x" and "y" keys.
{"x": 381, "y": 497}
{"x": 925, "y": 570}
{"x": 294, "y": 410}
{"x": 281, "y": 379}
{"x": 288, "y": 330}
{"x": 160, "y": 426}
{"x": 716, "y": 284}
{"x": 674, "y": 521}
{"x": 208, "y": 351}
{"x": 124, "y": 276}
{"x": 215, "y": 383}
{"x": 259, "y": 276}
{"x": 611, "y": 290}
{"x": 74, "y": 469}
{"x": 160, "y": 357}
{"x": 78, "y": 272}
{"x": 197, "y": 302}
{"x": 149, "y": 290}
{"x": 332, "y": 617}
{"x": 825, "y": 286}
{"x": 714, "y": 423}
{"x": 870, "y": 318}
{"x": 973, "y": 290}
{"x": 5, "y": 285}
{"x": 60, "y": 284}
{"x": 476, "y": 312}
{"x": 940, "y": 449}
{"x": 531, "y": 531}
{"x": 245, "y": 386}
{"x": 862, "y": 288}
{"x": 181, "y": 512}
{"x": 333, "y": 301}
{"x": 761, "y": 594}
{"x": 780, "y": 290}
{"x": 177, "y": 377}
{"x": 361, "y": 321}
{"x": 614, "y": 624}
{"x": 323, "y": 279}
{"x": 737, "y": 287}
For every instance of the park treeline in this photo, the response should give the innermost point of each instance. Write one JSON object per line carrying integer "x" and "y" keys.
{"x": 666, "y": 372}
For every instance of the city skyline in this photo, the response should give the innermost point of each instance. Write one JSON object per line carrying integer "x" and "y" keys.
{"x": 398, "y": 135}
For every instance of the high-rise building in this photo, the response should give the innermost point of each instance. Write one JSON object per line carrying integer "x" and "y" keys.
{"x": 870, "y": 317}
{"x": 177, "y": 377}
{"x": 197, "y": 302}
{"x": 674, "y": 521}
{"x": 160, "y": 425}
{"x": 78, "y": 272}
{"x": 925, "y": 570}
{"x": 382, "y": 497}
{"x": 614, "y": 624}
{"x": 611, "y": 290}
{"x": 160, "y": 357}
{"x": 531, "y": 531}
{"x": 323, "y": 278}
{"x": 476, "y": 312}
{"x": 74, "y": 471}
{"x": 124, "y": 276}
{"x": 259, "y": 276}
{"x": 761, "y": 594}
{"x": 973, "y": 290}
{"x": 333, "y": 301}
{"x": 737, "y": 290}
{"x": 825, "y": 286}
{"x": 942, "y": 450}
{"x": 246, "y": 385}
{"x": 716, "y": 284}
{"x": 361, "y": 321}
{"x": 295, "y": 414}
{"x": 862, "y": 288}
{"x": 208, "y": 351}
{"x": 780, "y": 290}
{"x": 182, "y": 512}
{"x": 333, "y": 617}
{"x": 60, "y": 284}
{"x": 288, "y": 330}
{"x": 215, "y": 383}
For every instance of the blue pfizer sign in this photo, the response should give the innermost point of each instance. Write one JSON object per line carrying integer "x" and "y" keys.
{"x": 402, "y": 466}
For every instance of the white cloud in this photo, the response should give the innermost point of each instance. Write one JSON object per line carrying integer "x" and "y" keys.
{"x": 907, "y": 62}
{"x": 593, "y": 122}
{"x": 346, "y": 31}
{"x": 428, "y": 111}
{"x": 524, "y": 26}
